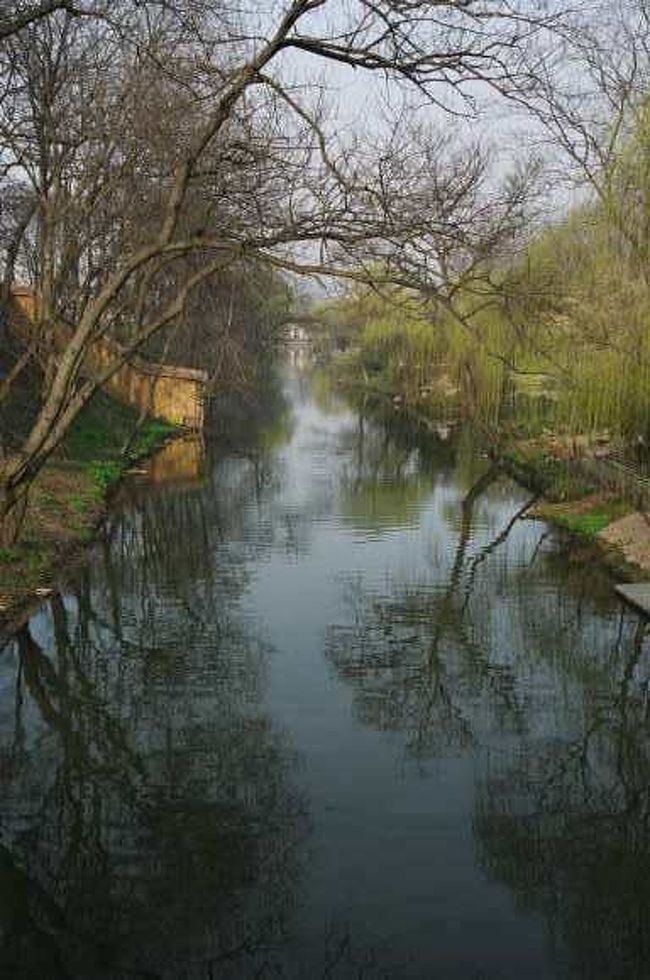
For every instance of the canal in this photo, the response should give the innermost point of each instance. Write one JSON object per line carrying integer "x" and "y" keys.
{"x": 334, "y": 708}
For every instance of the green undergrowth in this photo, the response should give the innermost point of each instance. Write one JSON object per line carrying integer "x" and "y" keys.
{"x": 102, "y": 432}
{"x": 102, "y": 440}
{"x": 590, "y": 523}
{"x": 104, "y": 472}
{"x": 67, "y": 500}
{"x": 570, "y": 499}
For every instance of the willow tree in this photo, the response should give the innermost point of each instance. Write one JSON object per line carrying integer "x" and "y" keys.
{"x": 580, "y": 297}
{"x": 163, "y": 141}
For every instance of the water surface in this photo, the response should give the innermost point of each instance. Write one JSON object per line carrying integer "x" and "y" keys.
{"x": 332, "y": 710}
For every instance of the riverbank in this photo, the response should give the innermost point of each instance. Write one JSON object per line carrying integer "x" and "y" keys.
{"x": 619, "y": 534}
{"x": 591, "y": 509}
{"x": 69, "y": 500}
{"x": 563, "y": 470}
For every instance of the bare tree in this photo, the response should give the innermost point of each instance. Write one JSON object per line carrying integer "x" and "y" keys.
{"x": 13, "y": 18}
{"x": 163, "y": 144}
{"x": 589, "y": 98}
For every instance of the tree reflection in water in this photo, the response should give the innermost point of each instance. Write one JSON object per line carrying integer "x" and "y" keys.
{"x": 416, "y": 660}
{"x": 150, "y": 825}
{"x": 567, "y": 824}
{"x": 549, "y": 690}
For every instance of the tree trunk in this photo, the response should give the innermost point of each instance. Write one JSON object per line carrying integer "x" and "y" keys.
{"x": 13, "y": 506}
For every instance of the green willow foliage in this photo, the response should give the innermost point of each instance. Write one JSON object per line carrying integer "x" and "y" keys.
{"x": 563, "y": 338}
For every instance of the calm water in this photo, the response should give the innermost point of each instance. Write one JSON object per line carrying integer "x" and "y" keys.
{"x": 332, "y": 711}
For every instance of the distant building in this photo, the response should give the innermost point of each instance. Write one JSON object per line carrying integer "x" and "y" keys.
{"x": 297, "y": 334}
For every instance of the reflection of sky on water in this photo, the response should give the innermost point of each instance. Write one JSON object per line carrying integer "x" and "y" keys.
{"x": 331, "y": 712}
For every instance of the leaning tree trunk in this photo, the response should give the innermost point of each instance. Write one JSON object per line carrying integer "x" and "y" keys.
{"x": 13, "y": 507}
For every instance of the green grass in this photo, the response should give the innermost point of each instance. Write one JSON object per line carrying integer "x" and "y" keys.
{"x": 586, "y": 525}
{"x": 105, "y": 426}
{"x": 589, "y": 523}
{"x": 68, "y": 499}
{"x": 97, "y": 439}
{"x": 100, "y": 430}
{"x": 103, "y": 472}
{"x": 152, "y": 434}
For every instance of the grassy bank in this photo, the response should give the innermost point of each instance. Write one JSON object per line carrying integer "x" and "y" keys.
{"x": 590, "y": 509}
{"x": 578, "y": 499}
{"x": 600, "y": 516}
{"x": 69, "y": 497}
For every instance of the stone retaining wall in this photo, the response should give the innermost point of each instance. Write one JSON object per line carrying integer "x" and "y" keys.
{"x": 176, "y": 394}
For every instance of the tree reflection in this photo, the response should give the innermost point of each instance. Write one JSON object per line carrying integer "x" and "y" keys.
{"x": 382, "y": 484}
{"x": 567, "y": 826}
{"x": 524, "y": 658}
{"x": 150, "y": 821}
{"x": 415, "y": 659}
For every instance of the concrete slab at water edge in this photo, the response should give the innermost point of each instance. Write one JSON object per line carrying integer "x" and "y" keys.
{"x": 637, "y": 594}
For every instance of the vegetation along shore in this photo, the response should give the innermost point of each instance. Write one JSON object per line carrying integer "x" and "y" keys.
{"x": 69, "y": 499}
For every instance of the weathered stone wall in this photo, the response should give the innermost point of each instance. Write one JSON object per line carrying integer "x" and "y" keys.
{"x": 164, "y": 391}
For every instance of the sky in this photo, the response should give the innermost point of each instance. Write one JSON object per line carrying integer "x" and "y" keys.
{"x": 364, "y": 103}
